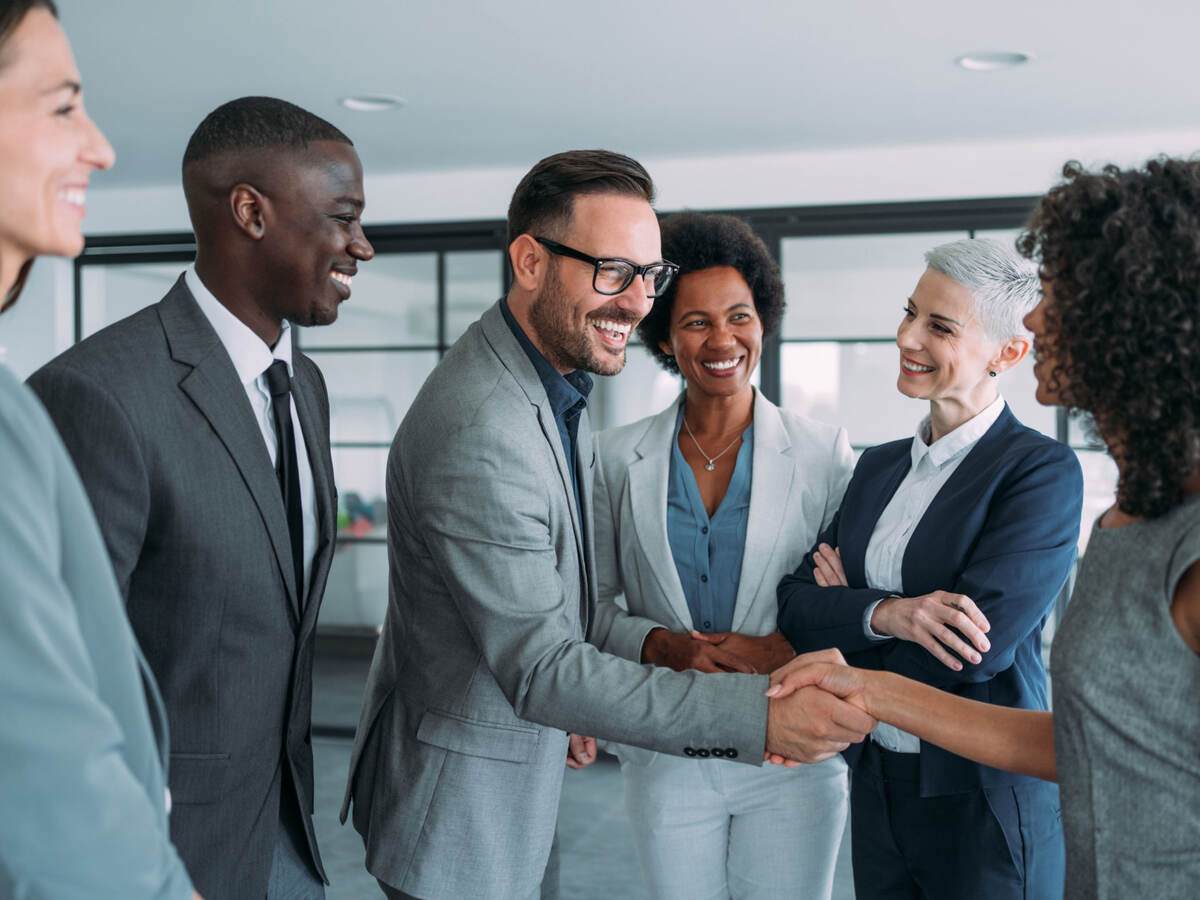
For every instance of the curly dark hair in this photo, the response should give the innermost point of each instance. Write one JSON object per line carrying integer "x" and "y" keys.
{"x": 698, "y": 241}
{"x": 1122, "y": 252}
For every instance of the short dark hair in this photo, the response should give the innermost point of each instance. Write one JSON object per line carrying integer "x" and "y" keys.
{"x": 13, "y": 12}
{"x": 250, "y": 123}
{"x": 697, "y": 241}
{"x": 1121, "y": 251}
{"x": 543, "y": 202}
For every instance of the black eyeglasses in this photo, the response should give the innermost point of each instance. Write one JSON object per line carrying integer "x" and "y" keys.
{"x": 612, "y": 275}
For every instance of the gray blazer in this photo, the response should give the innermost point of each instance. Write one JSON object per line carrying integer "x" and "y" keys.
{"x": 159, "y": 426}
{"x": 800, "y": 471}
{"x": 482, "y": 667}
{"x": 83, "y": 730}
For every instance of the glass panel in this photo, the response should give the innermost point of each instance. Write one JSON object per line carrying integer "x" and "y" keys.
{"x": 112, "y": 292}
{"x": 1099, "y": 489}
{"x": 394, "y": 301}
{"x": 356, "y": 593}
{"x": 473, "y": 283}
{"x": 641, "y": 389}
{"x": 369, "y": 393}
{"x": 359, "y": 474}
{"x": 852, "y": 286}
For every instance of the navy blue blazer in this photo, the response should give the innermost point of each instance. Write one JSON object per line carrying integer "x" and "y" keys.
{"x": 1003, "y": 531}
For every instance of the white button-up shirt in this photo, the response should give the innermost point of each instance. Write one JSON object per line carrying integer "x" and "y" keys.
{"x": 932, "y": 466}
{"x": 251, "y": 357}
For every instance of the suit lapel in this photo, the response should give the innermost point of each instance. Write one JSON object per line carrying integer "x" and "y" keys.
{"x": 213, "y": 386}
{"x": 648, "y": 475}
{"x": 770, "y": 492}
{"x": 877, "y": 492}
{"x": 315, "y": 428}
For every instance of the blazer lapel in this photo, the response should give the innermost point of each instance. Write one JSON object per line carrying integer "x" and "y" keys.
{"x": 316, "y": 440}
{"x": 648, "y": 475}
{"x": 878, "y": 492}
{"x": 770, "y": 492}
{"x": 213, "y": 385}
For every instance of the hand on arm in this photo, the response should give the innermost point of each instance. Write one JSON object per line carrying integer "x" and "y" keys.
{"x": 766, "y": 653}
{"x": 682, "y": 652}
{"x": 581, "y": 751}
{"x": 928, "y": 620}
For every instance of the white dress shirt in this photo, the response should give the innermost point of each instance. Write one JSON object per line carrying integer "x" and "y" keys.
{"x": 251, "y": 357}
{"x": 932, "y": 466}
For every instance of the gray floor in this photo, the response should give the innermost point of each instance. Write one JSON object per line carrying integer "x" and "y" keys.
{"x": 597, "y": 848}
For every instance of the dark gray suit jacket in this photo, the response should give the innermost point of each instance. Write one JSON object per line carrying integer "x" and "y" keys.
{"x": 483, "y": 665}
{"x": 159, "y": 426}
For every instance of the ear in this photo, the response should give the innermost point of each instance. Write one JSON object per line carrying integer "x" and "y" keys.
{"x": 529, "y": 262}
{"x": 1011, "y": 352}
{"x": 665, "y": 347}
{"x": 248, "y": 207}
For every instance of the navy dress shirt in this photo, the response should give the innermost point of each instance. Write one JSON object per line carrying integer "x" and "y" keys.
{"x": 568, "y": 398}
{"x": 708, "y": 550}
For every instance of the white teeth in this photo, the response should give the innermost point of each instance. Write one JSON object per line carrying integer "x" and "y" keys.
{"x": 724, "y": 364}
{"x": 74, "y": 196}
{"x": 341, "y": 278}
{"x": 614, "y": 329}
{"x": 913, "y": 367}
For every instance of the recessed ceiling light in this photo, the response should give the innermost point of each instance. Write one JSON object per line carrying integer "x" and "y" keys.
{"x": 991, "y": 60}
{"x": 373, "y": 102}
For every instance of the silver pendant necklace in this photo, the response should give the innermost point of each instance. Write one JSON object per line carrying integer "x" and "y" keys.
{"x": 711, "y": 464}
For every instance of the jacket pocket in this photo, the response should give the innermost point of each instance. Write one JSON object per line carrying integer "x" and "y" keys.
{"x": 474, "y": 738}
{"x": 197, "y": 777}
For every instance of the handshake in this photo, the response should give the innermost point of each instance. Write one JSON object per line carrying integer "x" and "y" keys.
{"x": 818, "y": 708}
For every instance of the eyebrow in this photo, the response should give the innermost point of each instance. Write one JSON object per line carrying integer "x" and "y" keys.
{"x": 351, "y": 201}
{"x": 700, "y": 312}
{"x": 73, "y": 86}
{"x": 938, "y": 316}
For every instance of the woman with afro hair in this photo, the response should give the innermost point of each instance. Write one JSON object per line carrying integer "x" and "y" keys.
{"x": 699, "y": 511}
{"x": 1116, "y": 337}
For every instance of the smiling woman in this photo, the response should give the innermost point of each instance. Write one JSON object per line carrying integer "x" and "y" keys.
{"x": 83, "y": 732}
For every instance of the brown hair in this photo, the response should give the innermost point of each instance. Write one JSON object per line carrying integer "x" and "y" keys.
{"x": 543, "y": 201}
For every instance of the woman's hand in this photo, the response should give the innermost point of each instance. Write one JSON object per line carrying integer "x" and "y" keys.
{"x": 927, "y": 620}
{"x": 827, "y": 567}
{"x": 765, "y": 654}
{"x": 824, "y": 669}
{"x": 682, "y": 652}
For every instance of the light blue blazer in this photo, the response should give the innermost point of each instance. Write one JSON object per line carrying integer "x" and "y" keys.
{"x": 83, "y": 735}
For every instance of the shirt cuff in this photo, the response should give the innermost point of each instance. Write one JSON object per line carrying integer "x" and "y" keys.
{"x": 866, "y": 622}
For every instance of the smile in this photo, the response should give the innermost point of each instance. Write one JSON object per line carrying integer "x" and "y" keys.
{"x": 723, "y": 365}
{"x": 913, "y": 368}
{"x": 73, "y": 196}
{"x": 613, "y": 332}
{"x": 343, "y": 279}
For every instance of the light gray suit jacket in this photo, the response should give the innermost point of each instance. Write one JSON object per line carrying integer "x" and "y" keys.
{"x": 167, "y": 444}
{"x": 800, "y": 471}
{"x": 83, "y": 730}
{"x": 482, "y": 667}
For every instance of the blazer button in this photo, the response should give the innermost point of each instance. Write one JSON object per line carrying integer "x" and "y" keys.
{"x": 718, "y": 752}
{"x": 688, "y": 751}
{"x": 731, "y": 753}
{"x": 702, "y": 753}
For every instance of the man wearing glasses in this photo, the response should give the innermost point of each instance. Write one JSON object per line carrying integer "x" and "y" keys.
{"x": 482, "y": 681}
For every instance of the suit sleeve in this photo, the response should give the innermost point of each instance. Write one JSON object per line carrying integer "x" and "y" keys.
{"x": 77, "y": 821}
{"x": 614, "y": 628}
{"x": 1021, "y": 560}
{"x": 106, "y": 452}
{"x": 486, "y": 524}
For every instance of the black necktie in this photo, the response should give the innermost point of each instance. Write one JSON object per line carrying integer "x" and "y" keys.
{"x": 280, "y": 386}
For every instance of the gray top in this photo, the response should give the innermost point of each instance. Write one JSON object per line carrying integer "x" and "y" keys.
{"x": 1127, "y": 716}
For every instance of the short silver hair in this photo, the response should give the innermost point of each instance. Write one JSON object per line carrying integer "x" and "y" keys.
{"x": 1004, "y": 286}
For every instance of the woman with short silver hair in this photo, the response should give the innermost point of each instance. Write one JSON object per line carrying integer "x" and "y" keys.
{"x": 943, "y": 564}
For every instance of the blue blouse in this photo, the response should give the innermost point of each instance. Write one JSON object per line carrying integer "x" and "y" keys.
{"x": 708, "y": 551}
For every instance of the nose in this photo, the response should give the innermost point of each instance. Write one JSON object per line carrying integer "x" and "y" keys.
{"x": 96, "y": 152}
{"x": 360, "y": 248}
{"x": 1033, "y": 318}
{"x": 904, "y": 335}
{"x": 634, "y": 298}
{"x": 721, "y": 335}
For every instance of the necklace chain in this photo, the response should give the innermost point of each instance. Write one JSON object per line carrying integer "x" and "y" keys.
{"x": 712, "y": 460}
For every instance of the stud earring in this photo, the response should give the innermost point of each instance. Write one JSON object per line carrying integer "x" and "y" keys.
{"x": 992, "y": 373}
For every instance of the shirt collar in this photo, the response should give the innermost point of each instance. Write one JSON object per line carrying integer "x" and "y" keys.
{"x": 566, "y": 392}
{"x": 250, "y": 354}
{"x": 959, "y": 441}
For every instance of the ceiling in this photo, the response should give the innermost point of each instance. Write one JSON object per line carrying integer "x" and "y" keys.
{"x": 491, "y": 83}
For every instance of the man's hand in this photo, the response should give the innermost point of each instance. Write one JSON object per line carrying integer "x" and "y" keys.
{"x": 581, "y": 751}
{"x": 927, "y": 620}
{"x": 824, "y": 671}
{"x": 806, "y": 724}
{"x": 765, "y": 654}
{"x": 682, "y": 652}
{"x": 827, "y": 567}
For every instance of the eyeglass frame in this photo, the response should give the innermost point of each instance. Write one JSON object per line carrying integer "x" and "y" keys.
{"x": 636, "y": 271}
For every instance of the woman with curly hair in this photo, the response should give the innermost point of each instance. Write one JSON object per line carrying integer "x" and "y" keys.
{"x": 1116, "y": 337}
{"x": 943, "y": 564}
{"x": 699, "y": 511}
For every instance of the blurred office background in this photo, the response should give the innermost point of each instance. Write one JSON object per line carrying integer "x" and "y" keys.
{"x": 849, "y": 135}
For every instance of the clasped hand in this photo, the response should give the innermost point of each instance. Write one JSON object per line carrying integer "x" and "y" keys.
{"x": 938, "y": 621}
